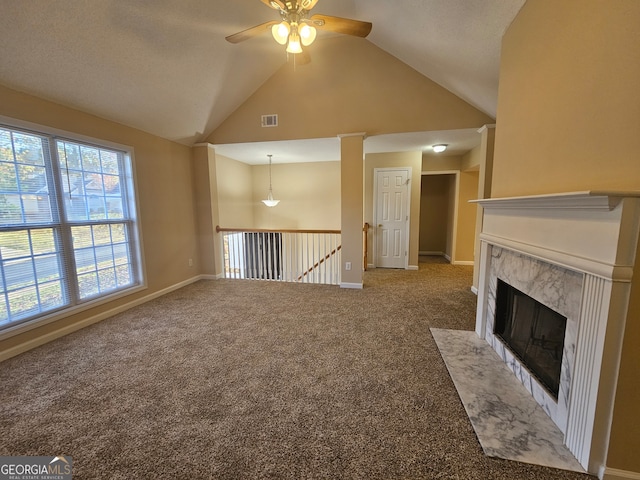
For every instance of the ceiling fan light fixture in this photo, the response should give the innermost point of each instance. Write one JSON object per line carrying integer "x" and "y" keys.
{"x": 307, "y": 34}
{"x": 297, "y": 28}
{"x": 439, "y": 148}
{"x": 294, "y": 44}
{"x": 280, "y": 32}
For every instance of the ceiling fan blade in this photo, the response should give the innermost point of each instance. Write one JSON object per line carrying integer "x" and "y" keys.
{"x": 275, "y": 4}
{"x": 250, "y": 32}
{"x": 341, "y": 25}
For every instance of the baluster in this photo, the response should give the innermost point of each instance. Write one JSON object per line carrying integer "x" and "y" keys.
{"x": 232, "y": 256}
{"x": 225, "y": 254}
{"x": 238, "y": 255}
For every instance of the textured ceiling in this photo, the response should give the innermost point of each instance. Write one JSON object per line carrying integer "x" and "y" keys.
{"x": 163, "y": 66}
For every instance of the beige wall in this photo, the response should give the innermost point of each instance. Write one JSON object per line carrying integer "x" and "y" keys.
{"x": 437, "y": 163}
{"x": 350, "y": 86}
{"x": 164, "y": 173}
{"x": 205, "y": 192}
{"x": 309, "y": 195}
{"x": 451, "y": 220}
{"x": 472, "y": 159}
{"x": 466, "y": 226}
{"x": 235, "y": 193}
{"x": 351, "y": 209}
{"x": 412, "y": 160}
{"x": 568, "y": 102}
{"x": 626, "y": 420}
{"x": 485, "y": 177}
{"x": 434, "y": 214}
{"x": 569, "y": 120}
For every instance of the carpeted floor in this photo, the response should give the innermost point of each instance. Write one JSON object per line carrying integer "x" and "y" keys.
{"x": 251, "y": 380}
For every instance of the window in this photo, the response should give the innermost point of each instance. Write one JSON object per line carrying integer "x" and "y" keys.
{"x": 68, "y": 234}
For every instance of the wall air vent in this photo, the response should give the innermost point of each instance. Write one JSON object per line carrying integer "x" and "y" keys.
{"x": 270, "y": 120}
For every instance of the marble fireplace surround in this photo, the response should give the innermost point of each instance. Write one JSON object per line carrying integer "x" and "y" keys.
{"x": 575, "y": 253}
{"x": 559, "y": 289}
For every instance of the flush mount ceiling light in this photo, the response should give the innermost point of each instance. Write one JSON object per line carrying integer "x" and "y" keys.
{"x": 440, "y": 148}
{"x": 297, "y": 28}
{"x": 270, "y": 202}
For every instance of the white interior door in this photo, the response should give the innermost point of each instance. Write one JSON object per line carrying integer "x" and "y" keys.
{"x": 392, "y": 218}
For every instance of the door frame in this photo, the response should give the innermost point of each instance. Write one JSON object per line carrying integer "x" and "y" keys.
{"x": 375, "y": 213}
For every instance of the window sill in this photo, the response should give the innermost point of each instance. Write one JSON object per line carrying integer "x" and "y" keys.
{"x": 46, "y": 319}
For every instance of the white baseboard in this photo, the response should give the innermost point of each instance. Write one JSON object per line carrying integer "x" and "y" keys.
{"x": 219, "y": 276}
{"x": 370, "y": 266}
{"x": 463, "y": 262}
{"x": 412, "y": 267}
{"x": 607, "y": 473}
{"x": 61, "y": 332}
{"x": 448, "y": 257}
{"x": 357, "y": 286}
{"x": 474, "y": 290}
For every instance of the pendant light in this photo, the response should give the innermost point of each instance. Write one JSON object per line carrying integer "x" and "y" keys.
{"x": 270, "y": 202}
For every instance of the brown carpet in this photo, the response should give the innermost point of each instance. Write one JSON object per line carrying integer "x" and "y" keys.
{"x": 248, "y": 380}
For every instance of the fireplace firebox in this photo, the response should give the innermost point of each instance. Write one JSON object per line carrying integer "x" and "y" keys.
{"x": 533, "y": 332}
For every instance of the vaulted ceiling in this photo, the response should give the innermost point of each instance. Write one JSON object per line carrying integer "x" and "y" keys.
{"x": 163, "y": 66}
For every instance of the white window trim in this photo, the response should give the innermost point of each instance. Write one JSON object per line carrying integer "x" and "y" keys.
{"x": 128, "y": 150}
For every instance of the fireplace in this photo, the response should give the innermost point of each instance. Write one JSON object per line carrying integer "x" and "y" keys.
{"x": 533, "y": 332}
{"x": 572, "y": 257}
{"x": 552, "y": 287}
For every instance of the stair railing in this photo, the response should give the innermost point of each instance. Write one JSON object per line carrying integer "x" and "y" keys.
{"x": 319, "y": 263}
{"x": 365, "y": 245}
{"x": 301, "y": 256}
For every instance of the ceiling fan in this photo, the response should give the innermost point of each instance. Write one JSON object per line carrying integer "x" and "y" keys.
{"x": 297, "y": 28}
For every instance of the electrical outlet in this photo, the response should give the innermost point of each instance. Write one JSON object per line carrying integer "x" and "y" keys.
{"x": 347, "y": 266}
{"x": 191, "y": 262}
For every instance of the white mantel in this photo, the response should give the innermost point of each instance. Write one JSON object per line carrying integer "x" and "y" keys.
{"x": 592, "y": 234}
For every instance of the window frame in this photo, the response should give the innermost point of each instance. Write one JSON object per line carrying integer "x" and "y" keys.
{"x": 132, "y": 224}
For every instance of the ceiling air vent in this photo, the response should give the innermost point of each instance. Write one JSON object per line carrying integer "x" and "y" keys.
{"x": 270, "y": 120}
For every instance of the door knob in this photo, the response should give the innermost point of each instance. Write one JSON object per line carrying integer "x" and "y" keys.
{"x": 379, "y": 225}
